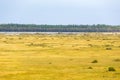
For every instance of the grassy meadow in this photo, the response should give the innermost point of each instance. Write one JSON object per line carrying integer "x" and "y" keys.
{"x": 60, "y": 56}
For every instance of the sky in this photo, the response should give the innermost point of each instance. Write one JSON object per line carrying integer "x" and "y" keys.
{"x": 60, "y": 12}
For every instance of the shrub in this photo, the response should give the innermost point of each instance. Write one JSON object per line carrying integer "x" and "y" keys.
{"x": 50, "y": 63}
{"x": 41, "y": 45}
{"x": 111, "y": 69}
{"x": 94, "y": 61}
{"x": 90, "y": 68}
{"x": 108, "y": 45}
{"x": 70, "y": 59}
{"x": 108, "y": 48}
{"x": 117, "y": 60}
{"x": 88, "y": 40}
{"x": 90, "y": 45}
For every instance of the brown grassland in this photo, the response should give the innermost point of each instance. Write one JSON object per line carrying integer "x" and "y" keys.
{"x": 60, "y": 56}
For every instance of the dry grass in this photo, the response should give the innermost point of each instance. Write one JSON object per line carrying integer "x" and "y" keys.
{"x": 59, "y": 57}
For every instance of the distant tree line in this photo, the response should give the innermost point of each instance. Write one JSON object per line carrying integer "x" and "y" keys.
{"x": 58, "y": 28}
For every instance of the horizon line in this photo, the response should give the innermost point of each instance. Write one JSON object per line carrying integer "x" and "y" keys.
{"x": 58, "y": 24}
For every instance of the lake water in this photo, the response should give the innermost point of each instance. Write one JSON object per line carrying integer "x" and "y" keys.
{"x": 18, "y": 33}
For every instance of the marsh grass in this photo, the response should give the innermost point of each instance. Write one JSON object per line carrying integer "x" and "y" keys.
{"x": 59, "y": 57}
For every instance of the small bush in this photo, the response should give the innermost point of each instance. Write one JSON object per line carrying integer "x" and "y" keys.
{"x": 117, "y": 60}
{"x": 108, "y": 45}
{"x": 88, "y": 40}
{"x": 90, "y": 68}
{"x": 70, "y": 59}
{"x": 19, "y": 38}
{"x": 94, "y": 61}
{"x": 108, "y": 48}
{"x": 41, "y": 45}
{"x": 50, "y": 63}
{"x": 90, "y": 45}
{"x": 111, "y": 69}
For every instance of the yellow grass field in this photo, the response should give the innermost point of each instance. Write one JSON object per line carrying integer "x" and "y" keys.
{"x": 60, "y": 56}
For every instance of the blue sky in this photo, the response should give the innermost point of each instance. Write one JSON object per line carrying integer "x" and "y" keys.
{"x": 60, "y": 11}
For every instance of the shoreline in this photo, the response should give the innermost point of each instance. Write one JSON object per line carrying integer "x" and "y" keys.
{"x": 18, "y": 33}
